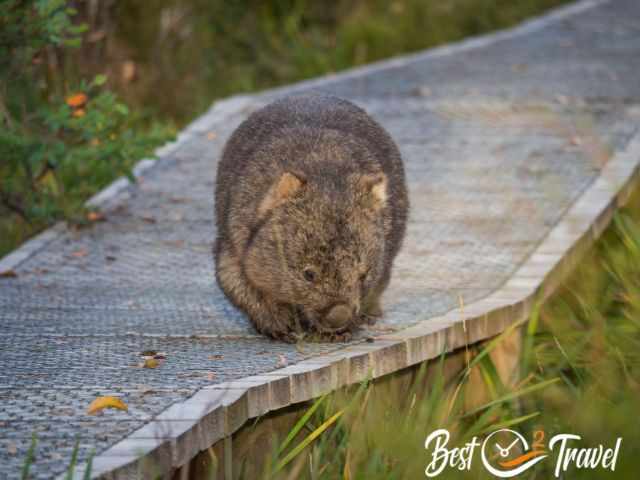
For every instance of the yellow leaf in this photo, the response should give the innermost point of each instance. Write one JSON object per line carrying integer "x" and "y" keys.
{"x": 150, "y": 363}
{"x": 101, "y": 403}
{"x": 49, "y": 182}
{"x": 79, "y": 112}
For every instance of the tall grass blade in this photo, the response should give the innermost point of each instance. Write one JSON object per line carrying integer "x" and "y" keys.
{"x": 512, "y": 396}
{"x": 307, "y": 441}
{"x": 300, "y": 423}
{"x": 29, "y": 460}
{"x": 89, "y": 467}
{"x": 74, "y": 459}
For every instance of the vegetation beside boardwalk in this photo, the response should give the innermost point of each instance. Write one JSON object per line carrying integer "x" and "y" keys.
{"x": 79, "y": 81}
{"x": 579, "y": 374}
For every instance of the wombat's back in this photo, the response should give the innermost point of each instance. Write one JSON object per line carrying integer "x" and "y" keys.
{"x": 322, "y": 112}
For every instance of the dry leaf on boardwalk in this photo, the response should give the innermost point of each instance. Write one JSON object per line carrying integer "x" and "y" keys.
{"x": 282, "y": 361}
{"x": 95, "y": 216}
{"x": 144, "y": 389}
{"x": 101, "y": 403}
{"x": 150, "y": 363}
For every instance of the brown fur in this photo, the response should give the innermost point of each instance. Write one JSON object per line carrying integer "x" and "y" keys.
{"x": 311, "y": 207}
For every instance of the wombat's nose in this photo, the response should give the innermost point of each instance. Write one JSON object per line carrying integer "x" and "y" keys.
{"x": 338, "y": 316}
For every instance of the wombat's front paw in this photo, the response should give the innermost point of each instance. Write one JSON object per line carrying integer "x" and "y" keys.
{"x": 335, "y": 337}
{"x": 290, "y": 336}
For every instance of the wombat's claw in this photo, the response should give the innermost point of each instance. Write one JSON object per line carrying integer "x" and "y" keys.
{"x": 288, "y": 337}
{"x": 338, "y": 337}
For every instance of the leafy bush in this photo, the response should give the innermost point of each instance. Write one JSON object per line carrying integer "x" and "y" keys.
{"x": 56, "y": 149}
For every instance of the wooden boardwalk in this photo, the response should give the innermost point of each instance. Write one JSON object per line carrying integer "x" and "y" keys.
{"x": 518, "y": 146}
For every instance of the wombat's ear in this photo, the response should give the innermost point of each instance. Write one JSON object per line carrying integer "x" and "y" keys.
{"x": 284, "y": 188}
{"x": 374, "y": 187}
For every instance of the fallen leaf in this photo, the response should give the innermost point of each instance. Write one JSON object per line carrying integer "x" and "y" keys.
{"x": 148, "y": 219}
{"x": 83, "y": 252}
{"x": 110, "y": 258}
{"x": 144, "y": 389}
{"x": 211, "y": 376}
{"x": 12, "y": 449}
{"x": 150, "y": 363}
{"x": 212, "y": 136}
{"x": 101, "y": 403}
{"x": 8, "y": 274}
{"x": 216, "y": 357}
{"x": 95, "y": 216}
{"x": 79, "y": 113}
{"x": 77, "y": 100}
{"x": 282, "y": 361}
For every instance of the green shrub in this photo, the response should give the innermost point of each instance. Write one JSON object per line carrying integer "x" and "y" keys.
{"x": 61, "y": 139}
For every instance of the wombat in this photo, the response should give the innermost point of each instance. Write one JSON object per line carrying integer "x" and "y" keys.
{"x": 311, "y": 208}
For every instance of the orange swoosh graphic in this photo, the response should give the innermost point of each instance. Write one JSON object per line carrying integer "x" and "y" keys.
{"x": 522, "y": 458}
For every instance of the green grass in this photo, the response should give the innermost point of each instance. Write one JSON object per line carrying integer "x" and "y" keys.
{"x": 213, "y": 49}
{"x": 199, "y": 50}
{"x": 579, "y": 373}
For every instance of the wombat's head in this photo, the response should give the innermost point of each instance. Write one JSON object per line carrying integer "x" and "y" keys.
{"x": 320, "y": 245}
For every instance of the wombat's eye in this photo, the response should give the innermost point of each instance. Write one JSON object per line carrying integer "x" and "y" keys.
{"x": 309, "y": 275}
